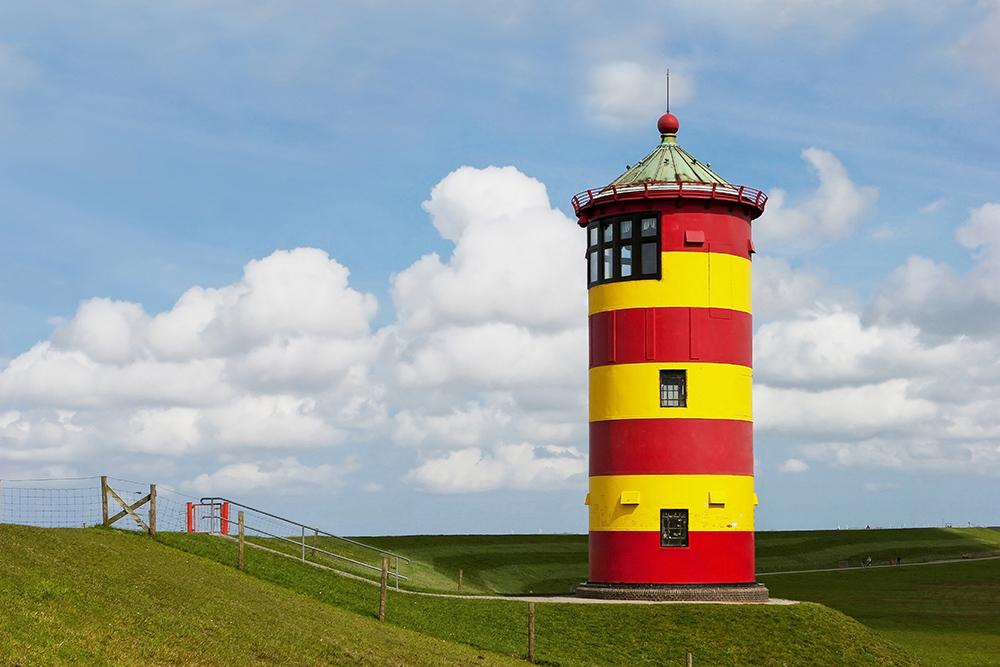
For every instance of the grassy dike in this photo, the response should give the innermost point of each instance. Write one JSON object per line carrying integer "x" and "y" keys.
{"x": 574, "y": 634}
{"x": 91, "y": 597}
{"x": 947, "y": 614}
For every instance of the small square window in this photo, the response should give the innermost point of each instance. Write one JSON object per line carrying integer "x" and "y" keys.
{"x": 608, "y": 267}
{"x": 593, "y": 235}
{"x": 648, "y": 227}
{"x": 593, "y": 265}
{"x": 674, "y": 528}
{"x": 673, "y": 389}
{"x": 609, "y": 232}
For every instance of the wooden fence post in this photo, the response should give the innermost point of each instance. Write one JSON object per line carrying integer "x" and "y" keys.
{"x": 152, "y": 511}
{"x": 104, "y": 500}
{"x": 239, "y": 560}
{"x": 531, "y": 632}
{"x": 382, "y": 587}
{"x": 460, "y": 581}
{"x": 690, "y": 660}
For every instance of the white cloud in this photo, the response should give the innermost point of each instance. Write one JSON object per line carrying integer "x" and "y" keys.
{"x": 516, "y": 258}
{"x": 498, "y": 330}
{"x": 625, "y": 92}
{"x": 793, "y": 466}
{"x": 852, "y": 412}
{"x": 931, "y": 455}
{"x": 980, "y": 47}
{"x": 280, "y": 476}
{"x": 942, "y": 301}
{"x": 521, "y": 466}
{"x": 280, "y": 359}
{"x": 834, "y": 347}
{"x": 779, "y": 290}
{"x": 933, "y": 207}
{"x": 831, "y": 212}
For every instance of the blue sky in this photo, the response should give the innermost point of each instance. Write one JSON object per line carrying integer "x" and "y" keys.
{"x": 152, "y": 149}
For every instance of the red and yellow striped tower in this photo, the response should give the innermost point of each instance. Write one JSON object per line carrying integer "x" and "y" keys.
{"x": 671, "y": 493}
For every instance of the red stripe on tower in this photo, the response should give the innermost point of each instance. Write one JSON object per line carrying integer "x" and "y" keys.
{"x": 636, "y": 557}
{"x": 637, "y": 335}
{"x": 671, "y": 447}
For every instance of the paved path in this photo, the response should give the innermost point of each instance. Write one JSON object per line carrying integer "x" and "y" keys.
{"x": 872, "y": 567}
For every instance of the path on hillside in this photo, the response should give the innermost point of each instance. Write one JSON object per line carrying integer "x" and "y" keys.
{"x": 570, "y": 599}
{"x": 558, "y": 599}
{"x": 872, "y": 567}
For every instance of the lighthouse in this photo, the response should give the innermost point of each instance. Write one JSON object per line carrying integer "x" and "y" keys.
{"x": 671, "y": 489}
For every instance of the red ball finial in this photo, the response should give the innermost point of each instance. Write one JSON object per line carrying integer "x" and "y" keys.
{"x": 668, "y": 124}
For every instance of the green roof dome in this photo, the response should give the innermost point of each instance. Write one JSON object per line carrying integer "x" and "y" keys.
{"x": 669, "y": 163}
{"x": 668, "y": 171}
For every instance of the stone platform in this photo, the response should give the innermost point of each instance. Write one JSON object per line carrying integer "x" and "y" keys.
{"x": 733, "y": 593}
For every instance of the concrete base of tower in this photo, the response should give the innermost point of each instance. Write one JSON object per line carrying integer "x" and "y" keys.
{"x": 732, "y": 593}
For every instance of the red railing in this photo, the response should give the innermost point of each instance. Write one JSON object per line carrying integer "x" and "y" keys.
{"x": 665, "y": 190}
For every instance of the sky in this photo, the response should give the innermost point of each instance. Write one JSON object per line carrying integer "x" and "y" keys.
{"x": 321, "y": 257}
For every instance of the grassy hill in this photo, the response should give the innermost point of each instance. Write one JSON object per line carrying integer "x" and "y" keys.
{"x": 91, "y": 596}
{"x": 948, "y": 614}
{"x": 592, "y": 634}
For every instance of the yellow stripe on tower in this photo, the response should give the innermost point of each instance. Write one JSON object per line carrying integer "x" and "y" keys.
{"x": 714, "y": 502}
{"x": 690, "y": 280}
{"x": 632, "y": 391}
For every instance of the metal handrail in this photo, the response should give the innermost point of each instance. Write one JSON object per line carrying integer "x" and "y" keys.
{"x": 666, "y": 189}
{"x": 319, "y": 531}
{"x": 311, "y": 547}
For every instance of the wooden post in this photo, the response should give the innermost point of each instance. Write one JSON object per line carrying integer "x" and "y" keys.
{"x": 690, "y": 660}
{"x": 152, "y": 511}
{"x": 531, "y": 632}
{"x": 382, "y": 587}
{"x": 239, "y": 560}
{"x": 104, "y": 500}
{"x": 460, "y": 581}
{"x": 303, "y": 543}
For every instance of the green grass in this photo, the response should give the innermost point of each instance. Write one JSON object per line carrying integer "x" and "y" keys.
{"x": 943, "y": 612}
{"x": 553, "y": 564}
{"x": 814, "y": 549}
{"x": 948, "y": 614}
{"x": 573, "y": 634}
{"x": 92, "y": 596}
{"x": 506, "y": 564}
{"x": 99, "y": 596}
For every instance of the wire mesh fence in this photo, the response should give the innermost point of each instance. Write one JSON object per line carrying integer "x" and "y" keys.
{"x": 75, "y": 502}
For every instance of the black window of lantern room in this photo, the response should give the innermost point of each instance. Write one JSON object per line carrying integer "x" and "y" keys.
{"x": 625, "y": 247}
